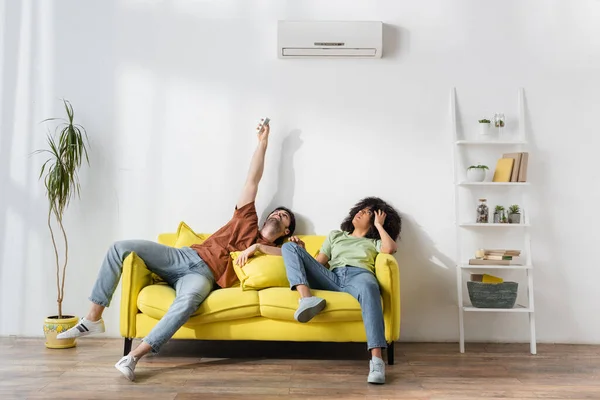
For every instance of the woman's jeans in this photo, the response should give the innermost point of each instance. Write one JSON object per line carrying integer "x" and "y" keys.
{"x": 182, "y": 269}
{"x": 303, "y": 269}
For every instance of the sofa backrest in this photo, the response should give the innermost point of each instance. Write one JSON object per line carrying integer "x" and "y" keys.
{"x": 313, "y": 242}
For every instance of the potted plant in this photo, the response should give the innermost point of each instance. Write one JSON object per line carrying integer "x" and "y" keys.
{"x": 484, "y": 126}
{"x": 514, "y": 214}
{"x": 476, "y": 173}
{"x": 498, "y": 214}
{"x": 67, "y": 150}
{"x": 499, "y": 120}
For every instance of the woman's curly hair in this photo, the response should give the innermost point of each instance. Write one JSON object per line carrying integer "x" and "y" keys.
{"x": 392, "y": 224}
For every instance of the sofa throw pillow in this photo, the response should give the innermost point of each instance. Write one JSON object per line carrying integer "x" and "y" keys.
{"x": 260, "y": 272}
{"x": 187, "y": 237}
{"x": 312, "y": 243}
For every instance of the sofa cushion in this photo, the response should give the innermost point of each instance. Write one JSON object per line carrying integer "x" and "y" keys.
{"x": 221, "y": 305}
{"x": 260, "y": 272}
{"x": 281, "y": 303}
{"x": 187, "y": 237}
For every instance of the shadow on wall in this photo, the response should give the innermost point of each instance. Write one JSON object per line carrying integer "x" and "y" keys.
{"x": 396, "y": 41}
{"x": 427, "y": 276}
{"x": 286, "y": 183}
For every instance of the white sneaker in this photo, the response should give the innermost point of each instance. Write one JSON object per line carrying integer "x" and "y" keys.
{"x": 126, "y": 366}
{"x": 83, "y": 328}
{"x": 308, "y": 307}
{"x": 377, "y": 371}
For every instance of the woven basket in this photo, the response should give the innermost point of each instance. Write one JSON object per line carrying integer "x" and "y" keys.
{"x": 493, "y": 295}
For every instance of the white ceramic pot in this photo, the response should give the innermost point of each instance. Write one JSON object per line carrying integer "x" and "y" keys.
{"x": 476, "y": 175}
{"x": 484, "y": 128}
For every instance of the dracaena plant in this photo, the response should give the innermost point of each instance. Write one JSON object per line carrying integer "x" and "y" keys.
{"x": 66, "y": 152}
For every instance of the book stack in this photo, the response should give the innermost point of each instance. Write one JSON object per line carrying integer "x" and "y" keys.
{"x": 512, "y": 167}
{"x": 496, "y": 257}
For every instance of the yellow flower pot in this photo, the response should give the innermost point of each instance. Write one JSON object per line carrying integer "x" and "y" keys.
{"x": 53, "y": 326}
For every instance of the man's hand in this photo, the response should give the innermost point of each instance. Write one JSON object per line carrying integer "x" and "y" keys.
{"x": 245, "y": 255}
{"x": 298, "y": 241}
{"x": 379, "y": 218}
{"x": 263, "y": 132}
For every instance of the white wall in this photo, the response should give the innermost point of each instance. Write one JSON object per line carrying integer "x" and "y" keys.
{"x": 170, "y": 91}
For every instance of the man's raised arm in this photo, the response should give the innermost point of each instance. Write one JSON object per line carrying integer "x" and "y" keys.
{"x": 257, "y": 166}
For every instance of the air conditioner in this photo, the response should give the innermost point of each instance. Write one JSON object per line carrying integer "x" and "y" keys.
{"x": 333, "y": 39}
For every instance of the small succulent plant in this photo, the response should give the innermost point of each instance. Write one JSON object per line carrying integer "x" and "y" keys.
{"x": 480, "y": 166}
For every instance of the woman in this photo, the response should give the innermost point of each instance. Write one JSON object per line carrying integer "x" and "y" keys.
{"x": 346, "y": 263}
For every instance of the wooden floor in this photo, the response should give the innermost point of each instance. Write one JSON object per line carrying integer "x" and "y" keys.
{"x": 422, "y": 371}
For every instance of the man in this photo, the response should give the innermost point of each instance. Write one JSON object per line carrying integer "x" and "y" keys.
{"x": 191, "y": 271}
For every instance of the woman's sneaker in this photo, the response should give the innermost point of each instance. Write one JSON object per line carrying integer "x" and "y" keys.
{"x": 126, "y": 366}
{"x": 377, "y": 371}
{"x": 83, "y": 328}
{"x": 309, "y": 307}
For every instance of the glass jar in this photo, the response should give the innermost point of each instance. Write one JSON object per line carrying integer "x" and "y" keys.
{"x": 482, "y": 211}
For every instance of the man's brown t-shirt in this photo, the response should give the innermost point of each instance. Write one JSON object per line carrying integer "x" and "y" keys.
{"x": 238, "y": 234}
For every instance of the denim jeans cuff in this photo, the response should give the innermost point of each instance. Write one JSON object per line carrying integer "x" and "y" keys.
{"x": 100, "y": 303}
{"x": 154, "y": 346}
{"x": 293, "y": 285}
{"x": 371, "y": 347}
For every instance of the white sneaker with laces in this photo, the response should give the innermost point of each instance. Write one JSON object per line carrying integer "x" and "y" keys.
{"x": 377, "y": 371}
{"x": 308, "y": 307}
{"x": 126, "y": 366}
{"x": 83, "y": 328}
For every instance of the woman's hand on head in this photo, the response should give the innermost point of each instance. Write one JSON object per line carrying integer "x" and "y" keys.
{"x": 379, "y": 218}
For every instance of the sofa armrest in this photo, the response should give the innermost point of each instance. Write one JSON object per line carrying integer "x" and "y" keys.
{"x": 135, "y": 277}
{"x": 388, "y": 275}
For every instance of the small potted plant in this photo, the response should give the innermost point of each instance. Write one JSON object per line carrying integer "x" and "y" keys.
{"x": 498, "y": 214}
{"x": 476, "y": 173}
{"x": 499, "y": 120}
{"x": 484, "y": 126}
{"x": 514, "y": 214}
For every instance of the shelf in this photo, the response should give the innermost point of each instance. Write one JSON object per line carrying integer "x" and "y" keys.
{"x": 518, "y": 308}
{"x": 491, "y": 142}
{"x": 494, "y": 184}
{"x": 465, "y": 141}
{"x": 490, "y": 266}
{"x": 493, "y": 225}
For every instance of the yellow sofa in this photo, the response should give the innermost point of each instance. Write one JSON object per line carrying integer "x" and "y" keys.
{"x": 266, "y": 314}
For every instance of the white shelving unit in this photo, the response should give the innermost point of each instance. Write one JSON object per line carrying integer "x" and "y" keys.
{"x": 463, "y": 268}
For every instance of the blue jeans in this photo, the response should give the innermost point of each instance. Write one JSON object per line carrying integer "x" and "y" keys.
{"x": 182, "y": 269}
{"x": 303, "y": 269}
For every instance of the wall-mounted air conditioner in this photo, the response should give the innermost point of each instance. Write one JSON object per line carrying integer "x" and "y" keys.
{"x": 333, "y": 39}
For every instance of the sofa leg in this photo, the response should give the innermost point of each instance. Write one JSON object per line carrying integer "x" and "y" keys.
{"x": 127, "y": 346}
{"x": 390, "y": 354}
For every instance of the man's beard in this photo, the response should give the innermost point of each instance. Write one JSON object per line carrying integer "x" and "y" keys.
{"x": 274, "y": 224}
